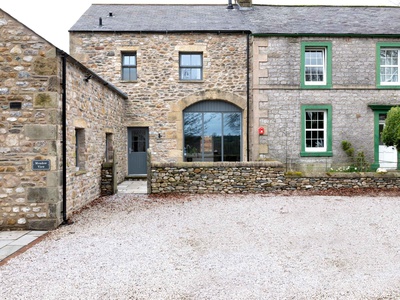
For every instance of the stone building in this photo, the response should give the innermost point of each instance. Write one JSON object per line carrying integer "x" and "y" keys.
{"x": 203, "y": 85}
{"x": 248, "y": 82}
{"x": 57, "y": 121}
{"x": 323, "y": 75}
{"x": 186, "y": 75}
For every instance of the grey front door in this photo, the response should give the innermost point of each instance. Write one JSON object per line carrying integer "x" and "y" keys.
{"x": 138, "y": 142}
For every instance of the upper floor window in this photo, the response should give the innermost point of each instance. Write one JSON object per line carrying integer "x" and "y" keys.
{"x": 129, "y": 67}
{"x": 190, "y": 66}
{"x": 388, "y": 64}
{"x": 316, "y": 65}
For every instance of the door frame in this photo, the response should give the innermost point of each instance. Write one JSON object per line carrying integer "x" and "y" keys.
{"x": 379, "y": 109}
{"x": 129, "y": 129}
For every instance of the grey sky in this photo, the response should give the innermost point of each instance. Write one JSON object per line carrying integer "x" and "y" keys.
{"x": 53, "y": 18}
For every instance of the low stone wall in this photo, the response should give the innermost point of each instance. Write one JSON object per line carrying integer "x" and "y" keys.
{"x": 224, "y": 177}
{"x": 326, "y": 181}
{"x": 255, "y": 177}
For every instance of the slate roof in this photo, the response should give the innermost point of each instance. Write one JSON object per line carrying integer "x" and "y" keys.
{"x": 160, "y": 18}
{"x": 361, "y": 20}
{"x": 262, "y": 19}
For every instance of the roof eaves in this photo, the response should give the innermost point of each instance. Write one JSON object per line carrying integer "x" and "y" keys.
{"x": 361, "y": 35}
{"x": 93, "y": 74}
{"x": 247, "y": 31}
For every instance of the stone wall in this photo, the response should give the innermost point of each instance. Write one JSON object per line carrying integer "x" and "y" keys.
{"x": 31, "y": 130}
{"x": 94, "y": 110}
{"x": 157, "y": 98}
{"x": 277, "y": 99}
{"x": 29, "y": 124}
{"x": 107, "y": 181}
{"x": 217, "y": 177}
{"x": 255, "y": 177}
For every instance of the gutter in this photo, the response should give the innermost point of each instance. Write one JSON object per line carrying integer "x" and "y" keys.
{"x": 64, "y": 137}
{"x": 236, "y": 31}
{"x": 248, "y": 96}
{"x": 64, "y": 58}
{"x": 330, "y": 35}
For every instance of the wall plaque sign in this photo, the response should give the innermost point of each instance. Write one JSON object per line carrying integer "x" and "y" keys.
{"x": 41, "y": 165}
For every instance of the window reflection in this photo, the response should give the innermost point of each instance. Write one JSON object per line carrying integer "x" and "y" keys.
{"x": 212, "y": 136}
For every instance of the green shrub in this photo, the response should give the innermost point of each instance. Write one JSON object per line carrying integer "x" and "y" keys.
{"x": 359, "y": 163}
{"x": 391, "y": 131}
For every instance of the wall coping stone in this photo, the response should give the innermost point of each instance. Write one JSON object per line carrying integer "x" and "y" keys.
{"x": 266, "y": 164}
{"x": 392, "y": 174}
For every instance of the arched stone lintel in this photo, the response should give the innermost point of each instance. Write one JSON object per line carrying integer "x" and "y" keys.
{"x": 177, "y": 114}
{"x": 212, "y": 95}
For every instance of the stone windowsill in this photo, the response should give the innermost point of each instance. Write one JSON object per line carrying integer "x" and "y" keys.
{"x": 191, "y": 81}
{"x": 80, "y": 172}
{"x": 128, "y": 81}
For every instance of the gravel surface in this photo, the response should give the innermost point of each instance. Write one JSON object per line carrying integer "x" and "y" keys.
{"x": 216, "y": 247}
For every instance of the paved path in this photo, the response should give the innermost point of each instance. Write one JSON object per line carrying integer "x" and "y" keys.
{"x": 13, "y": 241}
{"x": 133, "y": 187}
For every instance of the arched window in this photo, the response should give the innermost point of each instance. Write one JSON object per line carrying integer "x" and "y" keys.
{"x": 212, "y": 132}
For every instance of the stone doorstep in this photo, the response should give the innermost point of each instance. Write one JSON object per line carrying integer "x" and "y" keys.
{"x": 133, "y": 187}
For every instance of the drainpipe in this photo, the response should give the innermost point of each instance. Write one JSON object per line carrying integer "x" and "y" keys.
{"x": 64, "y": 137}
{"x": 248, "y": 96}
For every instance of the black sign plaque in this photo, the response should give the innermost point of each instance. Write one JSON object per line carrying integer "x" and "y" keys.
{"x": 41, "y": 165}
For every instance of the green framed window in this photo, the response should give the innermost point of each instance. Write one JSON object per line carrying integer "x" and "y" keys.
{"x": 316, "y": 65}
{"x": 129, "y": 67}
{"x": 316, "y": 130}
{"x": 388, "y": 65}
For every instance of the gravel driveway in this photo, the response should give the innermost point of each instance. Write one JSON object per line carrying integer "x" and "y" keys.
{"x": 217, "y": 247}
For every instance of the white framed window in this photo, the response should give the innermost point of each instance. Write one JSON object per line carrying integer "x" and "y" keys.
{"x": 315, "y": 130}
{"x": 315, "y": 66}
{"x": 190, "y": 66}
{"x": 389, "y": 66}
